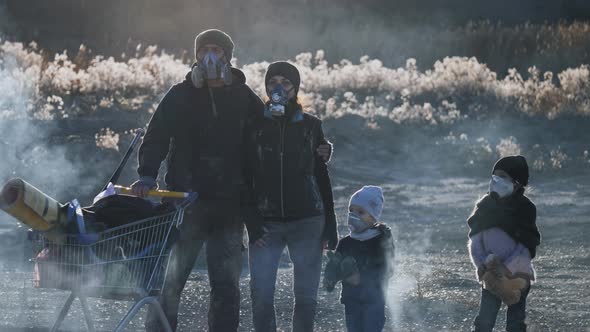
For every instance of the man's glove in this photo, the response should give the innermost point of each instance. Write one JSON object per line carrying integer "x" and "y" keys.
{"x": 141, "y": 187}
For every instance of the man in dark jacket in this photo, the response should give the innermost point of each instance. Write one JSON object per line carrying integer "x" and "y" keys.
{"x": 199, "y": 127}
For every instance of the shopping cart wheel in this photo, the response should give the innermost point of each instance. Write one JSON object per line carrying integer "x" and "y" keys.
{"x": 151, "y": 300}
{"x": 64, "y": 311}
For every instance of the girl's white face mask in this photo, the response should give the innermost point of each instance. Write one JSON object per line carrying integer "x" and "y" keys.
{"x": 501, "y": 186}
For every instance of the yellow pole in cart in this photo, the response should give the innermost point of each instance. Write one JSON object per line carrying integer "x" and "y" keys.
{"x": 153, "y": 193}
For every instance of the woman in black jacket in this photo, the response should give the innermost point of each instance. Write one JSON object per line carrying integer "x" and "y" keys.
{"x": 292, "y": 199}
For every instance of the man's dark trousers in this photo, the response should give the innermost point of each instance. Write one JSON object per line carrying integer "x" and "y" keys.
{"x": 218, "y": 224}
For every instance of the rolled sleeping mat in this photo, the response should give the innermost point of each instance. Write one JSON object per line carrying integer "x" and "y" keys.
{"x": 29, "y": 205}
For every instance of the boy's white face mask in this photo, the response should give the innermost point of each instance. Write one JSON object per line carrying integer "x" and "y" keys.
{"x": 356, "y": 224}
{"x": 501, "y": 186}
{"x": 360, "y": 230}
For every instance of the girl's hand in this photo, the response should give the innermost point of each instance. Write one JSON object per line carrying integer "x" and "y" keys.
{"x": 480, "y": 271}
{"x": 325, "y": 244}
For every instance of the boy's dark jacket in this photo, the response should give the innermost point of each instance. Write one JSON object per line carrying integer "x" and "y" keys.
{"x": 516, "y": 215}
{"x": 201, "y": 132}
{"x": 289, "y": 179}
{"x": 374, "y": 258}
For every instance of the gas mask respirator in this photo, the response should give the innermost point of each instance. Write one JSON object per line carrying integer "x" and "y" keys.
{"x": 279, "y": 98}
{"x": 211, "y": 68}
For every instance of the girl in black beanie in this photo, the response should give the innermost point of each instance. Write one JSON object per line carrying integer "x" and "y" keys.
{"x": 293, "y": 200}
{"x": 503, "y": 239}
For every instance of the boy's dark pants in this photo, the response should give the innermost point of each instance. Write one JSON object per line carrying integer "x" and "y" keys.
{"x": 218, "y": 224}
{"x": 364, "y": 317}
{"x": 488, "y": 310}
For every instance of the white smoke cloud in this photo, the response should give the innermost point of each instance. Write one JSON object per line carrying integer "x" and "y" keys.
{"x": 412, "y": 271}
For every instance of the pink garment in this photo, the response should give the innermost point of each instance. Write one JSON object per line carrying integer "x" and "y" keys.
{"x": 515, "y": 256}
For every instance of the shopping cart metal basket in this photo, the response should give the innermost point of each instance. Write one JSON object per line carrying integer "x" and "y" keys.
{"x": 128, "y": 262}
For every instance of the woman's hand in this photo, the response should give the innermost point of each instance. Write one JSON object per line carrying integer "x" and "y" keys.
{"x": 354, "y": 279}
{"x": 261, "y": 242}
{"x": 324, "y": 151}
{"x": 325, "y": 244}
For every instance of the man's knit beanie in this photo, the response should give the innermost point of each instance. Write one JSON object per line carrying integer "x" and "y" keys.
{"x": 217, "y": 37}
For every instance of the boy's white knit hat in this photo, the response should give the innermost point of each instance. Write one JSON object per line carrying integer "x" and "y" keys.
{"x": 369, "y": 198}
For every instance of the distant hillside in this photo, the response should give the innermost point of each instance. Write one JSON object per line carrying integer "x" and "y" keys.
{"x": 392, "y": 31}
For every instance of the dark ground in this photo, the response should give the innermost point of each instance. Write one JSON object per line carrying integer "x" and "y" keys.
{"x": 433, "y": 289}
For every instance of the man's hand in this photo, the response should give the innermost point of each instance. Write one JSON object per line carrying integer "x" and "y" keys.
{"x": 142, "y": 186}
{"x": 325, "y": 151}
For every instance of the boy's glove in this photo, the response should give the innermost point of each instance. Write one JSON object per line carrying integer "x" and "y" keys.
{"x": 350, "y": 271}
{"x": 348, "y": 267}
{"x": 384, "y": 229}
{"x": 332, "y": 272}
{"x": 338, "y": 268}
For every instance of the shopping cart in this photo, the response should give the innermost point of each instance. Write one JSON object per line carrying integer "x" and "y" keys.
{"x": 128, "y": 262}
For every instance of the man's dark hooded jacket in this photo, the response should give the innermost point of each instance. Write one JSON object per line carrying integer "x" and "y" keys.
{"x": 201, "y": 131}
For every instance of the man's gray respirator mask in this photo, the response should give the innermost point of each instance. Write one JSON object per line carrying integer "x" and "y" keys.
{"x": 211, "y": 68}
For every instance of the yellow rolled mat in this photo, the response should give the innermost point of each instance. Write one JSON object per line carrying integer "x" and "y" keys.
{"x": 29, "y": 205}
{"x": 154, "y": 193}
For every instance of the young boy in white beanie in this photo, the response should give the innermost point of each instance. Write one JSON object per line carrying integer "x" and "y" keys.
{"x": 364, "y": 262}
